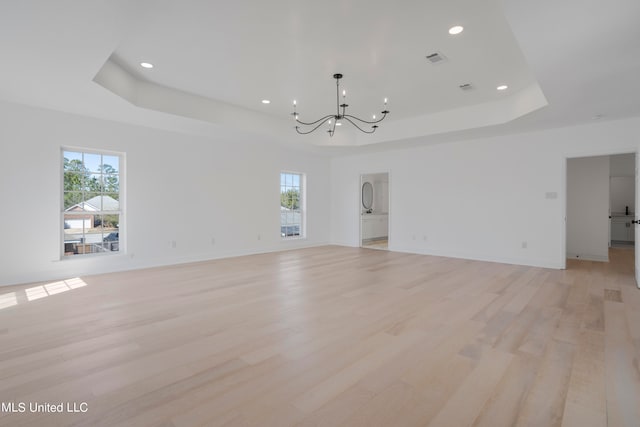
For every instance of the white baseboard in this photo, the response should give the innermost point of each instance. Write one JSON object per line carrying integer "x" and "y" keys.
{"x": 588, "y": 257}
{"x": 69, "y": 268}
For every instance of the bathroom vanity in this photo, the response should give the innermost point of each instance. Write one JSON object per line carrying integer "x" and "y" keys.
{"x": 622, "y": 230}
{"x": 374, "y": 226}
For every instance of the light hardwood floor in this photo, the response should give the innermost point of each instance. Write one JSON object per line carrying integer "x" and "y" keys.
{"x": 329, "y": 336}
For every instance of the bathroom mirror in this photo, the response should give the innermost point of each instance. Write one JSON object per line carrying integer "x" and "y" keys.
{"x": 367, "y": 195}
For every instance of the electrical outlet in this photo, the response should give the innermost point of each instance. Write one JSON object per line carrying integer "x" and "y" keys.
{"x": 524, "y": 245}
{"x": 259, "y": 236}
{"x": 173, "y": 244}
{"x": 424, "y": 237}
{"x": 213, "y": 241}
{"x": 414, "y": 237}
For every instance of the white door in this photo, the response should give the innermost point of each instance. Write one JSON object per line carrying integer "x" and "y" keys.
{"x": 637, "y": 226}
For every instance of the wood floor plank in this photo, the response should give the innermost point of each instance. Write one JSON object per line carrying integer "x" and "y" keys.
{"x": 622, "y": 369}
{"x": 463, "y": 407}
{"x": 505, "y": 403}
{"x": 385, "y": 407}
{"x": 586, "y": 403}
{"x": 339, "y": 410}
{"x": 334, "y": 385}
{"x": 544, "y": 404}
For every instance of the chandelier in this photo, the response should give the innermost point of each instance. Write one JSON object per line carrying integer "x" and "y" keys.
{"x": 336, "y": 119}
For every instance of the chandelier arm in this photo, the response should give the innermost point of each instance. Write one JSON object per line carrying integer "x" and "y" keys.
{"x": 305, "y": 133}
{"x": 328, "y": 116}
{"x": 359, "y": 128}
{"x": 333, "y": 128}
{"x": 366, "y": 121}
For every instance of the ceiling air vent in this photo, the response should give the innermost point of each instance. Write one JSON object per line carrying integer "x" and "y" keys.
{"x": 436, "y": 58}
{"x": 467, "y": 86}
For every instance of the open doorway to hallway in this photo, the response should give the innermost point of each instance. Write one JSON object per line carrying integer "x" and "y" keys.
{"x": 601, "y": 211}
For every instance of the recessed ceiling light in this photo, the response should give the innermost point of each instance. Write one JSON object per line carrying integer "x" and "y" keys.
{"x": 456, "y": 30}
{"x": 502, "y": 87}
{"x": 266, "y": 101}
{"x": 147, "y": 65}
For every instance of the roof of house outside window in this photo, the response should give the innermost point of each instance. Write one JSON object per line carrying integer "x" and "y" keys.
{"x": 93, "y": 205}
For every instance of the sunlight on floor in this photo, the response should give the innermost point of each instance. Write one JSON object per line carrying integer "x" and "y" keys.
{"x": 41, "y": 291}
{"x": 8, "y": 300}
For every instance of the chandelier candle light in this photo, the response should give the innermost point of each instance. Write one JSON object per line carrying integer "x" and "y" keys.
{"x": 334, "y": 120}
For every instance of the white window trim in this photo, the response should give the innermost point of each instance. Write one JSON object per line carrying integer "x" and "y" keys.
{"x": 303, "y": 205}
{"x": 122, "y": 194}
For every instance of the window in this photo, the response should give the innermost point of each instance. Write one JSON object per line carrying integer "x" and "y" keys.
{"x": 91, "y": 202}
{"x": 292, "y": 205}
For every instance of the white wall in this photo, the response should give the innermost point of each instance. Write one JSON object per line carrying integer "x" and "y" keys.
{"x": 623, "y": 194}
{"x": 381, "y": 193}
{"x": 478, "y": 199}
{"x": 623, "y": 164}
{"x": 231, "y": 187}
{"x": 588, "y": 208}
{"x": 623, "y": 182}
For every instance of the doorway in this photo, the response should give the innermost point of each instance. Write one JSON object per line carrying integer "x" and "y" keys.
{"x": 602, "y": 203}
{"x": 374, "y": 210}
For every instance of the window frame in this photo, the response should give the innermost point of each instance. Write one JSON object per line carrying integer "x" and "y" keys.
{"x": 121, "y": 205}
{"x": 302, "y": 203}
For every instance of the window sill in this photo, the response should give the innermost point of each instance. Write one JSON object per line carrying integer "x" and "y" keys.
{"x": 91, "y": 256}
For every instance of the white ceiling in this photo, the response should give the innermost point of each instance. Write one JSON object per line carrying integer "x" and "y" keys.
{"x": 215, "y": 61}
